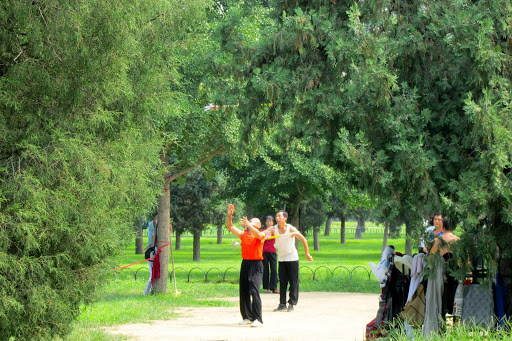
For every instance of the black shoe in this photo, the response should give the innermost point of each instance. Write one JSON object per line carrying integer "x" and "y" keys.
{"x": 290, "y": 307}
{"x": 282, "y": 307}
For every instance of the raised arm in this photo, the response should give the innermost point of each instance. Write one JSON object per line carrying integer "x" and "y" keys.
{"x": 229, "y": 222}
{"x": 254, "y": 230}
{"x": 300, "y": 237}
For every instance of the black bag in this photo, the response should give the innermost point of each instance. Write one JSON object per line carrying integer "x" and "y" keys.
{"x": 150, "y": 252}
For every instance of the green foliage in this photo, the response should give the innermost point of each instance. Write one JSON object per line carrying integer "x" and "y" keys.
{"x": 312, "y": 215}
{"x": 83, "y": 87}
{"x": 190, "y": 204}
{"x": 410, "y": 101}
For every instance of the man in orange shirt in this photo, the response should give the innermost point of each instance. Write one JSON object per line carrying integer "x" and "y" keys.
{"x": 251, "y": 270}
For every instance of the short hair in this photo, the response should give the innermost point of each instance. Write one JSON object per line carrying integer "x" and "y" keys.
{"x": 447, "y": 225}
{"x": 269, "y": 217}
{"x": 285, "y": 214}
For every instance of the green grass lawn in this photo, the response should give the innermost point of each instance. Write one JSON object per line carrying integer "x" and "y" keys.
{"x": 121, "y": 300}
{"x": 351, "y": 254}
{"x": 217, "y": 259}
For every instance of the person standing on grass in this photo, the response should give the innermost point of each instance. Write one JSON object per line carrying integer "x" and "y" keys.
{"x": 269, "y": 260}
{"x": 251, "y": 270}
{"x": 288, "y": 260}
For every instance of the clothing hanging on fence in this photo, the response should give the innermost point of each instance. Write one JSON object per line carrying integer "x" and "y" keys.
{"x": 399, "y": 288}
{"x": 414, "y": 310}
{"x": 500, "y": 300}
{"x": 416, "y": 274}
{"x": 478, "y": 306}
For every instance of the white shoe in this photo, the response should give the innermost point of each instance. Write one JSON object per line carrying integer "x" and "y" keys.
{"x": 257, "y": 323}
{"x": 245, "y": 322}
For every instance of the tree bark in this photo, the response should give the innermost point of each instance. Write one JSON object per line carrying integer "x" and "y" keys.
{"x": 219, "y": 234}
{"x": 358, "y": 234}
{"x": 164, "y": 204}
{"x": 342, "y": 229}
{"x": 361, "y": 224}
{"x": 316, "y": 242}
{"x": 408, "y": 237}
{"x": 178, "y": 241}
{"x": 139, "y": 242}
{"x": 197, "y": 246}
{"x": 328, "y": 226}
{"x": 359, "y": 228}
{"x": 385, "y": 238}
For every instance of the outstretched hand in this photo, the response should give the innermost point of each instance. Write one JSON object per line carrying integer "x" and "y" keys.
{"x": 244, "y": 221}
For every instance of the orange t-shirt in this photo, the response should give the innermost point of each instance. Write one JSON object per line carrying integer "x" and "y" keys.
{"x": 252, "y": 247}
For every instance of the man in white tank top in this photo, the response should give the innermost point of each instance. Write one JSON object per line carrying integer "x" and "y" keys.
{"x": 288, "y": 258}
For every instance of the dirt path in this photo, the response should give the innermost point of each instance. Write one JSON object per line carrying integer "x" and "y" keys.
{"x": 318, "y": 316}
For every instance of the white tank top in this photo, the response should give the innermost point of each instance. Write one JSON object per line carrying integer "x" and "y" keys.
{"x": 286, "y": 251}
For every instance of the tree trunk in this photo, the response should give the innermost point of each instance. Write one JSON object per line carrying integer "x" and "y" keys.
{"x": 342, "y": 229}
{"x": 361, "y": 224}
{"x": 197, "y": 246}
{"x": 385, "y": 238}
{"x": 294, "y": 219}
{"x": 328, "y": 226}
{"x": 164, "y": 204}
{"x": 178, "y": 240}
{"x": 359, "y": 234}
{"x": 359, "y": 228}
{"x": 139, "y": 242}
{"x": 408, "y": 237}
{"x": 316, "y": 242}
{"x": 219, "y": 234}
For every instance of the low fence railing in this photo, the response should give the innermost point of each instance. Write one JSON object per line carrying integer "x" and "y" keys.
{"x": 218, "y": 275}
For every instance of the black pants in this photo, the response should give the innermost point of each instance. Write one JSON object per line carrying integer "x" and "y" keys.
{"x": 289, "y": 273}
{"x": 270, "y": 261}
{"x": 251, "y": 275}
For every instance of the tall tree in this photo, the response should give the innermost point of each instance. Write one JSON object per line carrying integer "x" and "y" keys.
{"x": 412, "y": 97}
{"x": 194, "y": 136}
{"x": 78, "y": 155}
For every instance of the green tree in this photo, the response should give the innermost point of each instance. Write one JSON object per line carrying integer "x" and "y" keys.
{"x": 193, "y": 136}
{"x": 411, "y": 99}
{"x": 190, "y": 207}
{"x": 220, "y": 201}
{"x": 312, "y": 216}
{"x": 78, "y": 155}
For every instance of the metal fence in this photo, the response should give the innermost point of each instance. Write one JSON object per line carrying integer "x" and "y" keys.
{"x": 232, "y": 274}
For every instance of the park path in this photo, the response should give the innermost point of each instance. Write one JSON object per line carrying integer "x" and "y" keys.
{"x": 318, "y": 316}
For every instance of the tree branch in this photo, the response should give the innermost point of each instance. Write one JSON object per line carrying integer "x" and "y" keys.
{"x": 186, "y": 170}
